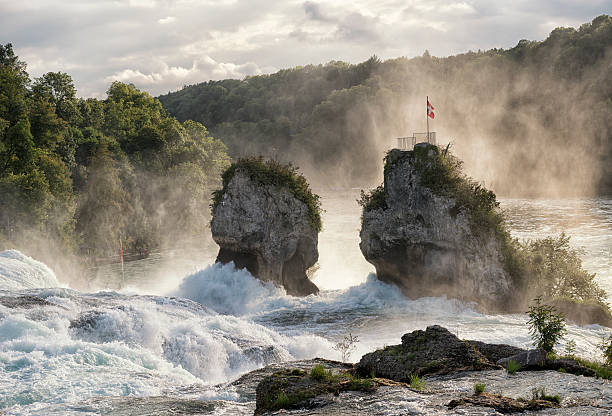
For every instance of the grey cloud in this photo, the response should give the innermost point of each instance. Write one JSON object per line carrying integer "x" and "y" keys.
{"x": 313, "y": 11}
{"x": 357, "y": 28}
{"x": 97, "y": 40}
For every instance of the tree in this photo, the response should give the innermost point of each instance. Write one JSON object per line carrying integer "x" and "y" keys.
{"x": 59, "y": 90}
{"x": 545, "y": 325}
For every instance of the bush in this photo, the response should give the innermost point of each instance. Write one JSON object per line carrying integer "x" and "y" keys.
{"x": 545, "y": 325}
{"x": 555, "y": 271}
{"x": 570, "y": 348}
{"x": 540, "y": 394}
{"x": 319, "y": 373}
{"x": 375, "y": 199}
{"x": 606, "y": 347}
{"x": 416, "y": 382}
{"x": 512, "y": 367}
{"x": 271, "y": 172}
{"x": 601, "y": 371}
{"x": 479, "y": 388}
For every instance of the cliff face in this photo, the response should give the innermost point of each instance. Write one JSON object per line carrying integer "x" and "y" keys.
{"x": 425, "y": 242}
{"x": 266, "y": 229}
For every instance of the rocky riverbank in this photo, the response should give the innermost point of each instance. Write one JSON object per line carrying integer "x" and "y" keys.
{"x": 433, "y": 372}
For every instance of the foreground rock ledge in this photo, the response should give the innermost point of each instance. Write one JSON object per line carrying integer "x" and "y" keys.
{"x": 423, "y": 242}
{"x": 268, "y": 231}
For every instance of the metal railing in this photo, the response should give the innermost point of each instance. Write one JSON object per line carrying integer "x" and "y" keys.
{"x": 407, "y": 143}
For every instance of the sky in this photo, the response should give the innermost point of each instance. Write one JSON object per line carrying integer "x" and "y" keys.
{"x": 162, "y": 45}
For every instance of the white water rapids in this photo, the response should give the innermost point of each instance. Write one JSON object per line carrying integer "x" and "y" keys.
{"x": 181, "y": 336}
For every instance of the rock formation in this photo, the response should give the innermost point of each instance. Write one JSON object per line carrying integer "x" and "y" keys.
{"x": 421, "y": 237}
{"x": 433, "y": 351}
{"x": 265, "y": 228}
{"x": 436, "y": 351}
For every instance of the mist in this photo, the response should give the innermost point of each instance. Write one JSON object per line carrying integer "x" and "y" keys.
{"x": 531, "y": 121}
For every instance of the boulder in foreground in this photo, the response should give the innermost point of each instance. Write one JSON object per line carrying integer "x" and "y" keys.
{"x": 433, "y": 351}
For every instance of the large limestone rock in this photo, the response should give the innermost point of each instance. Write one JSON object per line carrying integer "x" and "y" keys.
{"x": 266, "y": 229}
{"x": 423, "y": 242}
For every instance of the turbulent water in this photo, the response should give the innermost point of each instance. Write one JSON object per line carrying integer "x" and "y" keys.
{"x": 177, "y": 326}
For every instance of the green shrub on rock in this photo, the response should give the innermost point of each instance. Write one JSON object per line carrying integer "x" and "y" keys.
{"x": 545, "y": 325}
{"x": 272, "y": 172}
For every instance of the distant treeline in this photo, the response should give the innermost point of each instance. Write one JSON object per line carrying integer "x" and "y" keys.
{"x": 78, "y": 174}
{"x": 535, "y": 119}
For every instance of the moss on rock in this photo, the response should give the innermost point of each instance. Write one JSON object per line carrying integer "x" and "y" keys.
{"x": 272, "y": 172}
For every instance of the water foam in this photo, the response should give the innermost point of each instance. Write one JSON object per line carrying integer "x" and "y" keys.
{"x": 109, "y": 344}
{"x": 18, "y": 271}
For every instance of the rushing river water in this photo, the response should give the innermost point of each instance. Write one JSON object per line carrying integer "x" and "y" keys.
{"x": 181, "y": 327}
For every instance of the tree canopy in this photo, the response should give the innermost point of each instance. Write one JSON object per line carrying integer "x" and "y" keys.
{"x": 83, "y": 172}
{"x": 532, "y": 110}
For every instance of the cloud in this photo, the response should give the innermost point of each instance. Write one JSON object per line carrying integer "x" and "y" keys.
{"x": 167, "y": 77}
{"x": 167, "y": 20}
{"x": 162, "y": 44}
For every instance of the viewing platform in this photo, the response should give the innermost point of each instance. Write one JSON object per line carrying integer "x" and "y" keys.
{"x": 407, "y": 143}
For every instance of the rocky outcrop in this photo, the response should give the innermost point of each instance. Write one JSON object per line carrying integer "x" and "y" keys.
{"x": 433, "y": 351}
{"x": 267, "y": 230}
{"x": 504, "y": 404}
{"x": 295, "y": 388}
{"x": 421, "y": 238}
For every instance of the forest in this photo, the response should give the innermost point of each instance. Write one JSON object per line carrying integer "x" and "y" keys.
{"x": 532, "y": 120}
{"x": 77, "y": 175}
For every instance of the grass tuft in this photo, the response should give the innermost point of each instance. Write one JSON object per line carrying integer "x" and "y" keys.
{"x": 512, "y": 367}
{"x": 416, "y": 382}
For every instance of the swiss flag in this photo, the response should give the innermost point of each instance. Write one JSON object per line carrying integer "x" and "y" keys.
{"x": 430, "y": 109}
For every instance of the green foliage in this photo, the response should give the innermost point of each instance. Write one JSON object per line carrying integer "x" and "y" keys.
{"x": 325, "y": 112}
{"x": 545, "y": 325}
{"x": 570, "y": 348}
{"x": 274, "y": 173}
{"x": 606, "y": 348}
{"x": 319, "y": 373}
{"x": 282, "y": 401}
{"x": 416, "y": 382}
{"x": 512, "y": 367}
{"x": 479, "y": 388}
{"x": 441, "y": 172}
{"x": 375, "y": 199}
{"x": 540, "y": 394}
{"x": 81, "y": 172}
{"x": 287, "y": 389}
{"x": 555, "y": 270}
{"x": 601, "y": 371}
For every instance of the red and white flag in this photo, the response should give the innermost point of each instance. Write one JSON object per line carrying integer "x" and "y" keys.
{"x": 430, "y": 109}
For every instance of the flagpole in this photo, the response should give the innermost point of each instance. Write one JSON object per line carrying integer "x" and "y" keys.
{"x": 427, "y": 117}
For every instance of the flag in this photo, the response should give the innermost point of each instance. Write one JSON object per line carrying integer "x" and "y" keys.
{"x": 430, "y": 109}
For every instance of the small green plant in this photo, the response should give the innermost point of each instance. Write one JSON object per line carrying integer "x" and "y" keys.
{"x": 606, "y": 348}
{"x": 375, "y": 199}
{"x": 546, "y": 326}
{"x": 570, "y": 348}
{"x": 512, "y": 367}
{"x": 601, "y": 371}
{"x": 347, "y": 346}
{"x": 416, "y": 382}
{"x": 319, "y": 373}
{"x": 540, "y": 394}
{"x": 282, "y": 400}
{"x": 479, "y": 388}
